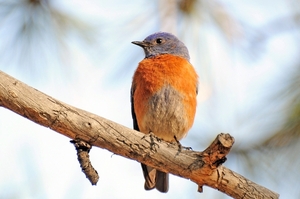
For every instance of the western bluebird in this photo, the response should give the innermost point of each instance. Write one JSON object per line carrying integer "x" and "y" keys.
{"x": 163, "y": 96}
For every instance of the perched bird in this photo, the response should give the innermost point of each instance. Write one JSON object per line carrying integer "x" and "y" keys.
{"x": 163, "y": 96}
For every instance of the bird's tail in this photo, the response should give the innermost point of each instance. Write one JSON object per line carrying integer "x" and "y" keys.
{"x": 155, "y": 179}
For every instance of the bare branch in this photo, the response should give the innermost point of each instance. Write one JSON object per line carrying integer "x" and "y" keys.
{"x": 83, "y": 157}
{"x": 202, "y": 168}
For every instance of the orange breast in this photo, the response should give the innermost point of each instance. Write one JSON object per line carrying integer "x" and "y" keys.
{"x": 165, "y": 96}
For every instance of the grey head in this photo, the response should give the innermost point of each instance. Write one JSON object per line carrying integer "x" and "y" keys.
{"x": 163, "y": 43}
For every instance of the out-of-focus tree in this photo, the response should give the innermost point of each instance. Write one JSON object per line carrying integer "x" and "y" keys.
{"x": 37, "y": 34}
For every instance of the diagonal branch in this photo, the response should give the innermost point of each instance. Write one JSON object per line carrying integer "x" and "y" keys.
{"x": 203, "y": 168}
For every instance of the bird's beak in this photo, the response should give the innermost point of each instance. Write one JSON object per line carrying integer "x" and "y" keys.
{"x": 140, "y": 43}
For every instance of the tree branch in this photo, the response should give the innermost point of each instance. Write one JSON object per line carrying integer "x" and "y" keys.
{"x": 202, "y": 168}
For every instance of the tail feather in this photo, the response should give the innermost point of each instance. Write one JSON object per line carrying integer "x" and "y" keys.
{"x": 162, "y": 181}
{"x": 155, "y": 179}
{"x": 150, "y": 177}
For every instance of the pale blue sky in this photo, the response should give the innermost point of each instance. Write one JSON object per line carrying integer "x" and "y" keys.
{"x": 39, "y": 163}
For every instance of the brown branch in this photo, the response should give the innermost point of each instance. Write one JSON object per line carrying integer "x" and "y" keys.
{"x": 83, "y": 157}
{"x": 202, "y": 168}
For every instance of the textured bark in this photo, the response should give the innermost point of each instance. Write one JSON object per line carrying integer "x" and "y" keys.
{"x": 83, "y": 157}
{"x": 203, "y": 168}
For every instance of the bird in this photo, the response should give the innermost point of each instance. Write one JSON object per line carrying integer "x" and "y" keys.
{"x": 163, "y": 96}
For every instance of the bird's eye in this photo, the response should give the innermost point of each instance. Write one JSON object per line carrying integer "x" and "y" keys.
{"x": 159, "y": 41}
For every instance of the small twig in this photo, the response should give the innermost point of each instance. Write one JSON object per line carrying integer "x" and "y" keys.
{"x": 83, "y": 150}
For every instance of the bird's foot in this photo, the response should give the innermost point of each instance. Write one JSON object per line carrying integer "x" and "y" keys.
{"x": 180, "y": 147}
{"x": 152, "y": 137}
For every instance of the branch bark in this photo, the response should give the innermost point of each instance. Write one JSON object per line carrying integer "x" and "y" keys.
{"x": 203, "y": 168}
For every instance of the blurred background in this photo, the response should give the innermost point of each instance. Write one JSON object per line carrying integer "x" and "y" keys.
{"x": 245, "y": 52}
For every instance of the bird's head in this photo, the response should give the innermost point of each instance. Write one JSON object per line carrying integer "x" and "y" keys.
{"x": 163, "y": 43}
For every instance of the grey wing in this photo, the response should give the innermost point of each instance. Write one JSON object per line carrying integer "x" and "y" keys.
{"x": 135, "y": 124}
